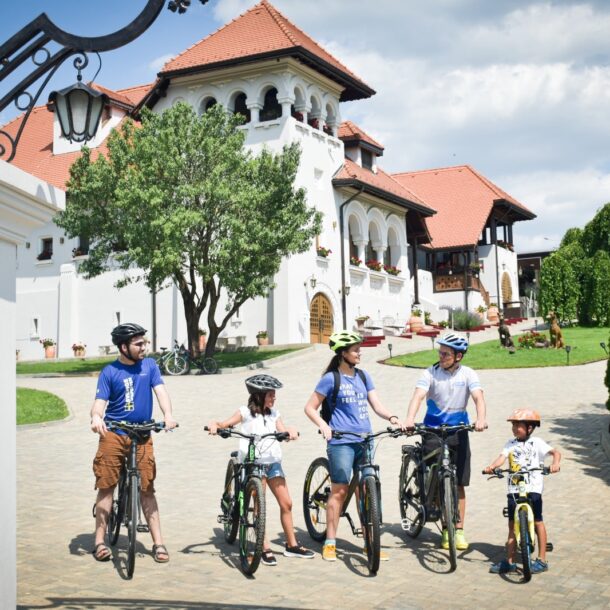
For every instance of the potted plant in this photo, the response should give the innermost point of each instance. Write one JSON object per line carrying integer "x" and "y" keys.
{"x": 202, "y": 338}
{"x": 415, "y": 322}
{"x": 360, "y": 320}
{"x": 391, "y": 269}
{"x": 492, "y": 313}
{"x": 78, "y": 349}
{"x": 323, "y": 252}
{"x": 373, "y": 265}
{"x": 481, "y": 309}
{"x": 427, "y": 318}
{"x": 49, "y": 347}
{"x": 354, "y": 260}
{"x": 262, "y": 337}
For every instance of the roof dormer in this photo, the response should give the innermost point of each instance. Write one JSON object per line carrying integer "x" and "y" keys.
{"x": 359, "y": 146}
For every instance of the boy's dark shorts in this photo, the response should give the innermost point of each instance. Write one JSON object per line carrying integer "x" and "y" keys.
{"x": 111, "y": 452}
{"x": 535, "y": 501}
{"x": 459, "y": 444}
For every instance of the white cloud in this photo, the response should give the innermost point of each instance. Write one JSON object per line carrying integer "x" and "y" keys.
{"x": 156, "y": 64}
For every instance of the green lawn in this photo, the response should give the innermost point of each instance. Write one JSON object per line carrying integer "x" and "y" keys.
{"x": 91, "y": 365}
{"x": 489, "y": 355}
{"x": 35, "y": 406}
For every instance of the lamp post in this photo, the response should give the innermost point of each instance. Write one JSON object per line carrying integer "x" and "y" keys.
{"x": 568, "y": 349}
{"x": 79, "y": 107}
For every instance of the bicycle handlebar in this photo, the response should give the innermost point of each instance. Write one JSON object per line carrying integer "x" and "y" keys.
{"x": 442, "y": 430}
{"x": 365, "y": 436}
{"x": 152, "y": 426}
{"x": 228, "y": 432}
{"x": 499, "y": 472}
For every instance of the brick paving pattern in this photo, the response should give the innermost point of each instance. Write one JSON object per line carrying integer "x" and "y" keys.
{"x": 55, "y": 496}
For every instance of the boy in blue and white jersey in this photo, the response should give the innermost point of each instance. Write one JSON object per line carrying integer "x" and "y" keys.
{"x": 447, "y": 387}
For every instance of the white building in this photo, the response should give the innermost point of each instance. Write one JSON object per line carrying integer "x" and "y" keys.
{"x": 289, "y": 88}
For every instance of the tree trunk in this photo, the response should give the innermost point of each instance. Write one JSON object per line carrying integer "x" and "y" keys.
{"x": 192, "y": 316}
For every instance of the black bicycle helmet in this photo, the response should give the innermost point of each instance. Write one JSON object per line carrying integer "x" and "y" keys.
{"x": 262, "y": 383}
{"x": 122, "y": 333}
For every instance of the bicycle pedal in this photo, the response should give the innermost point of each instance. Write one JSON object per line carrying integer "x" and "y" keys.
{"x": 405, "y": 524}
{"x": 359, "y": 533}
{"x": 549, "y": 546}
{"x": 142, "y": 528}
{"x": 221, "y": 519}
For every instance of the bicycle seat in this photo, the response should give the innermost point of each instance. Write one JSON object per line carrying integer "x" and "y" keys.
{"x": 234, "y": 454}
{"x": 163, "y": 349}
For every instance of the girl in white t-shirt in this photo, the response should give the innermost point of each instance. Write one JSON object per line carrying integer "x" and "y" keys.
{"x": 260, "y": 417}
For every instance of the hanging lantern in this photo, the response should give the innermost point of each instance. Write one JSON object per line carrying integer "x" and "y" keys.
{"x": 79, "y": 110}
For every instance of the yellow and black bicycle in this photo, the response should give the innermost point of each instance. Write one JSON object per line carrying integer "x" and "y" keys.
{"x": 523, "y": 517}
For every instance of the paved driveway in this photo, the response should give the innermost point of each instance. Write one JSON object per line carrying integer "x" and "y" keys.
{"x": 55, "y": 496}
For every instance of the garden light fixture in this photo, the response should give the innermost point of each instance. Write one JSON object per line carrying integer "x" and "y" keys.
{"x": 603, "y": 346}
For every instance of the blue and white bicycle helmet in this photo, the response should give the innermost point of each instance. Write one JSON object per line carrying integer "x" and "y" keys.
{"x": 459, "y": 344}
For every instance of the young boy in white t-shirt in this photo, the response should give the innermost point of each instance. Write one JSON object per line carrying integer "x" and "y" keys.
{"x": 524, "y": 451}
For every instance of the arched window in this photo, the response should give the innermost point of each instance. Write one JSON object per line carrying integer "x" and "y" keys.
{"x": 271, "y": 108}
{"x": 240, "y": 106}
{"x": 206, "y": 104}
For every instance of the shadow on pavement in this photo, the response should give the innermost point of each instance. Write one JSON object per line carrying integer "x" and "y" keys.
{"x": 99, "y": 603}
{"x": 581, "y": 434}
{"x": 217, "y": 545}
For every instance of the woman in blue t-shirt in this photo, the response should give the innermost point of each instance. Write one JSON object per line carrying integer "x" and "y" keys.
{"x": 349, "y": 413}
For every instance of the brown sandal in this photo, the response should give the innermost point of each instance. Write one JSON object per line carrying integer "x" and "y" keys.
{"x": 104, "y": 555}
{"x": 160, "y": 554}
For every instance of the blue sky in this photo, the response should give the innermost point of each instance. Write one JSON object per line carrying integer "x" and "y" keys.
{"x": 519, "y": 89}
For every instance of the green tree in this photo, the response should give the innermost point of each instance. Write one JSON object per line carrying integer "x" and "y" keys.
{"x": 595, "y": 307}
{"x": 559, "y": 286}
{"x": 181, "y": 200}
{"x": 596, "y": 234}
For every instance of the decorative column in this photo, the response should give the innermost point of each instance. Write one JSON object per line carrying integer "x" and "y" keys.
{"x": 361, "y": 245}
{"x": 255, "y": 110}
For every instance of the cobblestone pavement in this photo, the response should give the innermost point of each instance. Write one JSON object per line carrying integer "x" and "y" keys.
{"x": 55, "y": 496}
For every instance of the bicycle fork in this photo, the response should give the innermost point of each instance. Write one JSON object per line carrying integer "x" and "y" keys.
{"x": 530, "y": 524}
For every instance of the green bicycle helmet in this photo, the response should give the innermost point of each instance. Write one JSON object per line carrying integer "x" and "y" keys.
{"x": 343, "y": 339}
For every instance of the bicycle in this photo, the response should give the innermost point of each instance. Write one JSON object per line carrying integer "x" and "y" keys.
{"x": 125, "y": 508}
{"x": 427, "y": 490}
{"x": 205, "y": 364}
{"x": 317, "y": 487}
{"x": 523, "y": 516}
{"x": 172, "y": 361}
{"x": 242, "y": 503}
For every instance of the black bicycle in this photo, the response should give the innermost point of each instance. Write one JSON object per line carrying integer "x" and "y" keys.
{"x": 179, "y": 361}
{"x": 317, "y": 487}
{"x": 242, "y": 503}
{"x": 427, "y": 489}
{"x": 125, "y": 509}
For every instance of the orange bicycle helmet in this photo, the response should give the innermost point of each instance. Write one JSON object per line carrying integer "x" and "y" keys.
{"x": 529, "y": 416}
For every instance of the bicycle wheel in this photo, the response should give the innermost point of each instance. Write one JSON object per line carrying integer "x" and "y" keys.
{"x": 132, "y": 523}
{"x": 209, "y": 365}
{"x": 316, "y": 491}
{"x": 449, "y": 508}
{"x": 117, "y": 510}
{"x": 524, "y": 544}
{"x": 370, "y": 522}
{"x": 228, "y": 503}
{"x": 176, "y": 365}
{"x": 252, "y": 526}
{"x": 409, "y": 496}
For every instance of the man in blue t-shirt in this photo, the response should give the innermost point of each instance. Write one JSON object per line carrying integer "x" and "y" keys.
{"x": 124, "y": 393}
{"x": 447, "y": 386}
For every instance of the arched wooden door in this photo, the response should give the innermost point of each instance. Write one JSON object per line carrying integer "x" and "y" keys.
{"x": 320, "y": 319}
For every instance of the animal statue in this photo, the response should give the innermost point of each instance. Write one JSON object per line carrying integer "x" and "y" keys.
{"x": 505, "y": 338}
{"x": 555, "y": 331}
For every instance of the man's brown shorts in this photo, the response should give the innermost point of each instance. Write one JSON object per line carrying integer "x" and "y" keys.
{"x": 111, "y": 451}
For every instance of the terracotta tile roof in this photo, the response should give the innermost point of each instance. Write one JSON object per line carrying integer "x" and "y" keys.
{"x": 464, "y": 200}
{"x": 380, "y": 183}
{"x": 35, "y": 150}
{"x": 136, "y": 94}
{"x": 260, "y": 32}
{"x": 349, "y": 132}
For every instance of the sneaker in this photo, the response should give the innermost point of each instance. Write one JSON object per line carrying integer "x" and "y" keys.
{"x": 383, "y": 556}
{"x": 329, "y": 552}
{"x": 445, "y": 539}
{"x": 503, "y": 567}
{"x": 268, "y": 558}
{"x": 539, "y": 566}
{"x": 461, "y": 544}
{"x": 298, "y": 551}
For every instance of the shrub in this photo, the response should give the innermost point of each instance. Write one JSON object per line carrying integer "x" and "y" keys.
{"x": 465, "y": 320}
{"x": 529, "y": 339}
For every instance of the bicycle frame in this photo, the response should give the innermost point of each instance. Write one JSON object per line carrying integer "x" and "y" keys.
{"x": 523, "y": 504}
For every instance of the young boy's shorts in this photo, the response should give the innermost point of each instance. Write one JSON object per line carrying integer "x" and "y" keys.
{"x": 536, "y": 503}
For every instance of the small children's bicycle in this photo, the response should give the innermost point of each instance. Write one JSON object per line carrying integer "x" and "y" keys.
{"x": 523, "y": 517}
{"x": 243, "y": 500}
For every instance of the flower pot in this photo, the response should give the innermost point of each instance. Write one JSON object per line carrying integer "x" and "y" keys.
{"x": 492, "y": 314}
{"x": 79, "y": 352}
{"x": 203, "y": 339}
{"x": 262, "y": 340}
{"x": 360, "y": 323}
{"x": 49, "y": 351}
{"x": 415, "y": 324}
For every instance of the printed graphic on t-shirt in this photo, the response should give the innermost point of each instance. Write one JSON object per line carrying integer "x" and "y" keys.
{"x": 129, "y": 394}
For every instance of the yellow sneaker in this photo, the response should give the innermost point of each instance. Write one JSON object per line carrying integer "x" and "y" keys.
{"x": 461, "y": 544}
{"x": 329, "y": 552}
{"x": 445, "y": 539}
{"x": 383, "y": 556}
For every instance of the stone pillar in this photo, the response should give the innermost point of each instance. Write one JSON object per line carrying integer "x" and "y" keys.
{"x": 361, "y": 245}
{"x": 67, "y": 310}
{"x": 255, "y": 109}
